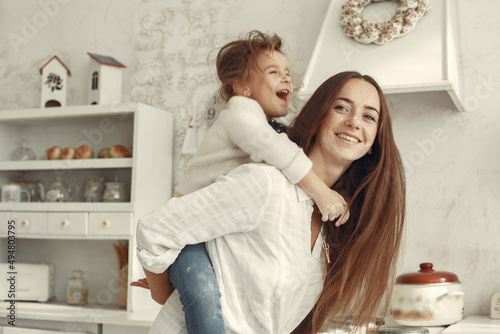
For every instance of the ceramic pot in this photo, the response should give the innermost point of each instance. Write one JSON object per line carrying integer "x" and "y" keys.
{"x": 427, "y": 298}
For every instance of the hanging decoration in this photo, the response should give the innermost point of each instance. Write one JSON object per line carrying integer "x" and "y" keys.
{"x": 402, "y": 23}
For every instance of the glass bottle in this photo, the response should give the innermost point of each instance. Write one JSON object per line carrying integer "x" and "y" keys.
{"x": 23, "y": 152}
{"x": 77, "y": 289}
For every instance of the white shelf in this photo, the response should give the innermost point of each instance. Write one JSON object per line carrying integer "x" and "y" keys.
{"x": 147, "y": 175}
{"x": 427, "y": 59}
{"x": 62, "y": 312}
{"x": 68, "y": 206}
{"x": 35, "y": 115}
{"x": 66, "y": 164}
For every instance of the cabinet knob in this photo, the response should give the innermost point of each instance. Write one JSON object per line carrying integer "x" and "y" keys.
{"x": 64, "y": 223}
{"x": 25, "y": 223}
{"x": 106, "y": 223}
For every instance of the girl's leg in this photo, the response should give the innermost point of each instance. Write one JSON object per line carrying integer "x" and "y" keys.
{"x": 193, "y": 276}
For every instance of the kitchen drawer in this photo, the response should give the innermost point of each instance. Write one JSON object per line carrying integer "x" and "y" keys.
{"x": 67, "y": 223}
{"x": 29, "y": 222}
{"x": 110, "y": 223}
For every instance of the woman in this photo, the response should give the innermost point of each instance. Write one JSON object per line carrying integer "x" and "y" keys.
{"x": 365, "y": 250}
{"x": 265, "y": 236}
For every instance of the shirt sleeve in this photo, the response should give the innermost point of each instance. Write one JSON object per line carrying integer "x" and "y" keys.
{"x": 232, "y": 204}
{"x": 247, "y": 126}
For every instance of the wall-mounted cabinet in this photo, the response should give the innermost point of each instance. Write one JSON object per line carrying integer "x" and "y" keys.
{"x": 79, "y": 234}
{"x": 427, "y": 59}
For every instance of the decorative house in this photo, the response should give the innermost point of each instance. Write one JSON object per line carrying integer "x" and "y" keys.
{"x": 54, "y": 82}
{"x": 105, "y": 84}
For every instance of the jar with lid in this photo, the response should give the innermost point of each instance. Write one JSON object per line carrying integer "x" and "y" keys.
{"x": 77, "y": 289}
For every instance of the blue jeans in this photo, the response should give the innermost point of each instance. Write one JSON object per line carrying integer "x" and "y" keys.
{"x": 193, "y": 276}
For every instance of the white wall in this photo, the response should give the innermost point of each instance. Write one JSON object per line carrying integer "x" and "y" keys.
{"x": 453, "y": 165}
{"x": 453, "y": 179}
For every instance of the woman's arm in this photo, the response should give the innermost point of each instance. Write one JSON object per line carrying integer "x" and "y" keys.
{"x": 158, "y": 284}
{"x": 232, "y": 204}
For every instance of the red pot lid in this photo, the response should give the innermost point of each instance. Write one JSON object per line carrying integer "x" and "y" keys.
{"x": 427, "y": 275}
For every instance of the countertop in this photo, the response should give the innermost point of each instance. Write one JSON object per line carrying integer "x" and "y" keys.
{"x": 475, "y": 325}
{"x": 64, "y": 312}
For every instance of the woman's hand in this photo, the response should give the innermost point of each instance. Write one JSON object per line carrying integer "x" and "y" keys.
{"x": 158, "y": 284}
{"x": 141, "y": 283}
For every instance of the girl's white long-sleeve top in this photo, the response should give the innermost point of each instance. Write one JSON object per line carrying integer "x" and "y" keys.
{"x": 257, "y": 229}
{"x": 241, "y": 134}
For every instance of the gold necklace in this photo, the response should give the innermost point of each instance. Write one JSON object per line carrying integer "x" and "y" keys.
{"x": 326, "y": 246}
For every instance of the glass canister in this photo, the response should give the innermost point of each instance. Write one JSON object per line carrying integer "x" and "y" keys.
{"x": 77, "y": 290}
{"x": 114, "y": 192}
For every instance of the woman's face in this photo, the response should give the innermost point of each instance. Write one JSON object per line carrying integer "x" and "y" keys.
{"x": 350, "y": 126}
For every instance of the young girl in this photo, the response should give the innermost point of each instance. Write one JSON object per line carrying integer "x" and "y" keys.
{"x": 257, "y": 86}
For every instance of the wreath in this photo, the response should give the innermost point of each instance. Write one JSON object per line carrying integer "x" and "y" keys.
{"x": 402, "y": 23}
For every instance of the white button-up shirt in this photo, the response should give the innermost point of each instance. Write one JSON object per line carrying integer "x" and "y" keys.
{"x": 257, "y": 228}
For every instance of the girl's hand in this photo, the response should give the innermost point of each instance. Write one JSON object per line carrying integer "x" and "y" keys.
{"x": 332, "y": 205}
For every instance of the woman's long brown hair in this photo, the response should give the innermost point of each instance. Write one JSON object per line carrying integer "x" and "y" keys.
{"x": 365, "y": 249}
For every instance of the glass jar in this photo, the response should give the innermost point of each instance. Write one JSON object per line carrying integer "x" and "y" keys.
{"x": 23, "y": 152}
{"x": 77, "y": 290}
{"x": 114, "y": 192}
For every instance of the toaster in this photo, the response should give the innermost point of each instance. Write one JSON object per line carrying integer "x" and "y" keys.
{"x": 26, "y": 282}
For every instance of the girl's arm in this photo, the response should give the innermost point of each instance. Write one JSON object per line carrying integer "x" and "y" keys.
{"x": 330, "y": 203}
{"x": 248, "y": 128}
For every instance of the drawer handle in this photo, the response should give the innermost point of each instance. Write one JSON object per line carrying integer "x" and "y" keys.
{"x": 25, "y": 223}
{"x": 106, "y": 223}
{"x": 64, "y": 223}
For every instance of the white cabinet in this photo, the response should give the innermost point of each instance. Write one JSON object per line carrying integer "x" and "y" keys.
{"x": 79, "y": 234}
{"x": 427, "y": 59}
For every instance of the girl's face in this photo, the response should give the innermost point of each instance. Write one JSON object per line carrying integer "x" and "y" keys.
{"x": 270, "y": 84}
{"x": 350, "y": 126}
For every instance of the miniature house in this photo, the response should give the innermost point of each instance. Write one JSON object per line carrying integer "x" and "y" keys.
{"x": 105, "y": 80}
{"x": 54, "y": 83}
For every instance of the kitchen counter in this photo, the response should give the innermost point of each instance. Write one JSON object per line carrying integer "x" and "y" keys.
{"x": 388, "y": 322}
{"x": 87, "y": 314}
{"x": 475, "y": 325}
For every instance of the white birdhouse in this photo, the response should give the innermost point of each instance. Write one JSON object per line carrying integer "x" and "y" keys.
{"x": 105, "y": 84}
{"x": 54, "y": 83}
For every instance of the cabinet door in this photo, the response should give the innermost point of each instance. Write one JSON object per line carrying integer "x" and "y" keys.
{"x": 67, "y": 223}
{"x": 30, "y": 222}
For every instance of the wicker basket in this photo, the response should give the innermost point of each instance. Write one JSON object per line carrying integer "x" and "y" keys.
{"x": 122, "y": 289}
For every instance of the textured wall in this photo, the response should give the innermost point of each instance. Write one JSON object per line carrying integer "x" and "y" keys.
{"x": 452, "y": 158}
{"x": 166, "y": 46}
